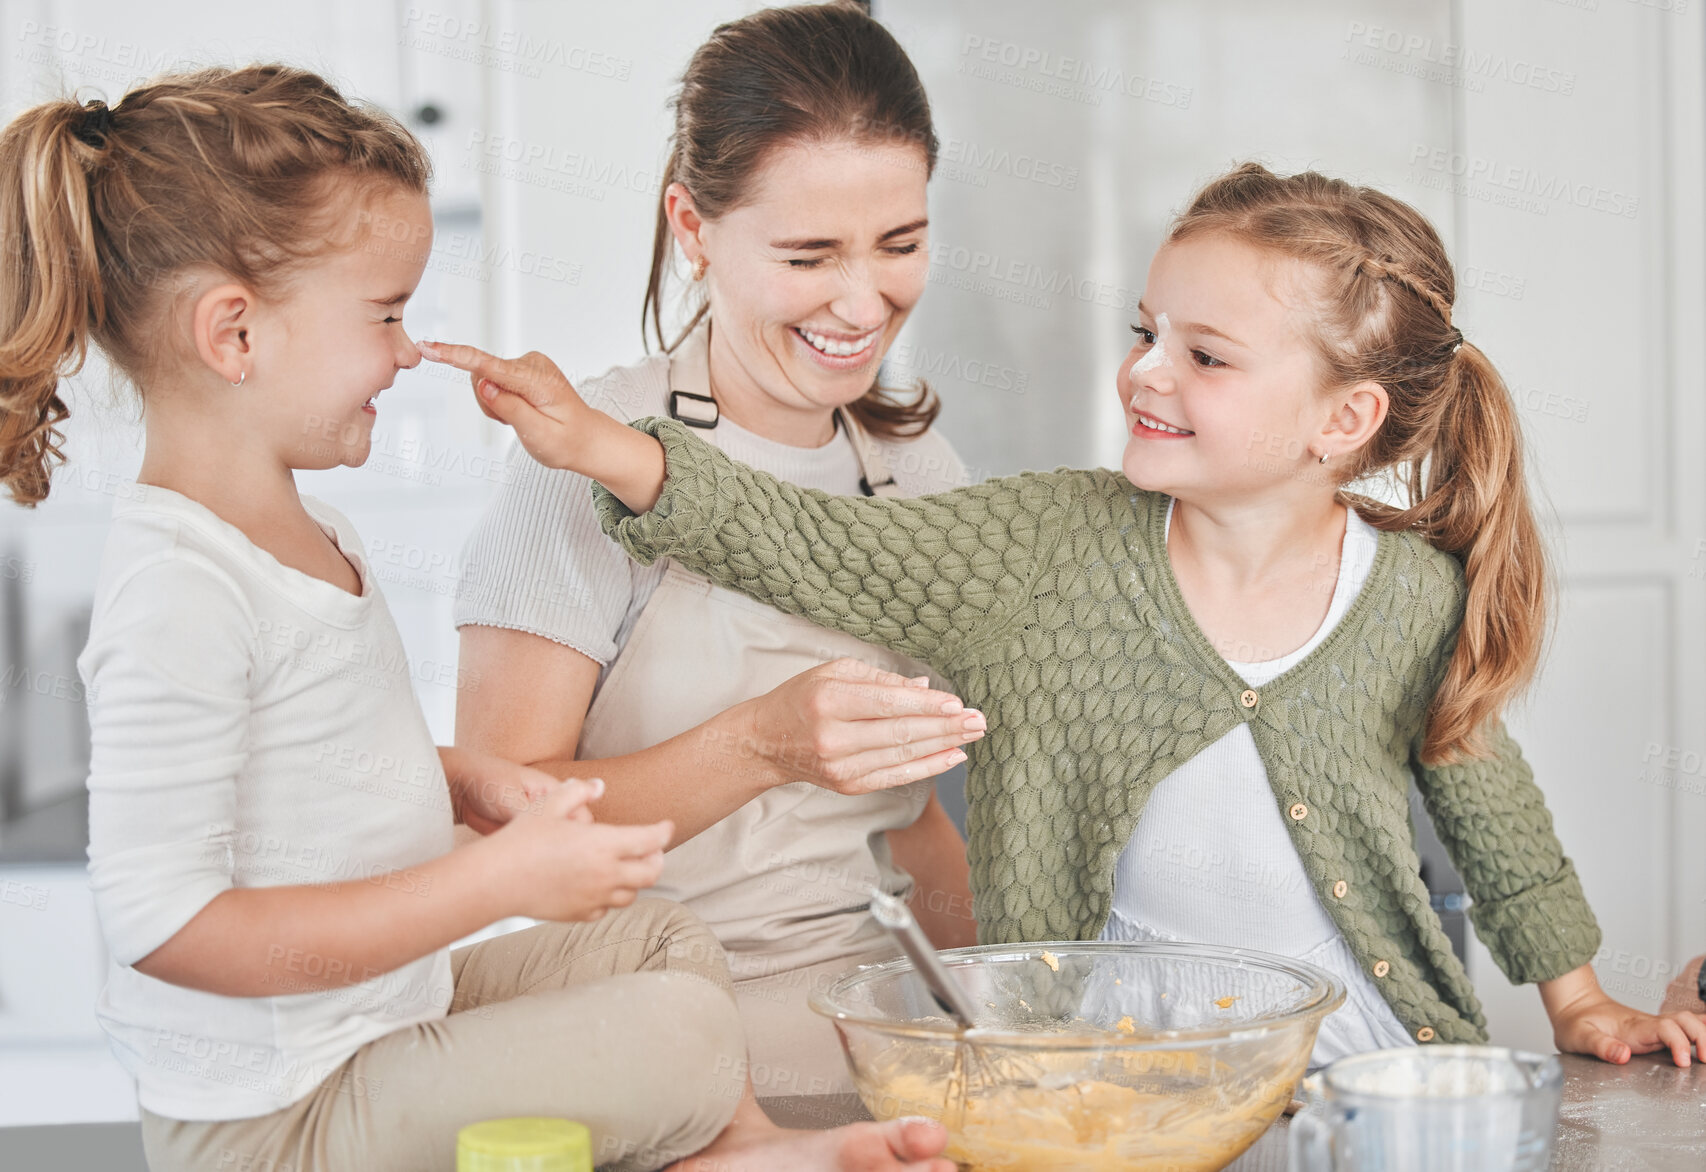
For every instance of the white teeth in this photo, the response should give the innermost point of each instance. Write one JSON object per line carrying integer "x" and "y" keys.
{"x": 836, "y": 348}
{"x": 1154, "y": 425}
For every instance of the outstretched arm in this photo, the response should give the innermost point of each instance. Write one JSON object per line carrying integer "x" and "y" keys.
{"x": 926, "y": 576}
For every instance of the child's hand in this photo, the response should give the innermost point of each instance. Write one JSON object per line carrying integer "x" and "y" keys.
{"x": 556, "y": 426}
{"x": 487, "y": 791}
{"x": 1586, "y": 1021}
{"x": 556, "y": 863}
{"x": 1612, "y": 1031}
{"x": 531, "y": 395}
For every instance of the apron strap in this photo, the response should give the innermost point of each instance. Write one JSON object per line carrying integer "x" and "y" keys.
{"x": 691, "y": 402}
{"x": 875, "y": 478}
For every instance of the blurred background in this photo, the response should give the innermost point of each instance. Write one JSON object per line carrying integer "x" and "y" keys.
{"x": 1557, "y": 144}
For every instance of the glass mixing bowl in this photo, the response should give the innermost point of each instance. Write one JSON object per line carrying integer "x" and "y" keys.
{"x": 1089, "y": 1056}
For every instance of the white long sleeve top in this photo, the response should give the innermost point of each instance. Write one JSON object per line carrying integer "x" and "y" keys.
{"x": 252, "y": 726}
{"x": 1210, "y": 860}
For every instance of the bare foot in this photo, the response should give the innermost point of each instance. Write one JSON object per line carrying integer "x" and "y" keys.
{"x": 746, "y": 1145}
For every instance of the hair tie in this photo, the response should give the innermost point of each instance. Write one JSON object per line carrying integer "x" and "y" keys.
{"x": 97, "y": 122}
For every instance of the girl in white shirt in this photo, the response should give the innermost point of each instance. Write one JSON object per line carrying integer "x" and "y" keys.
{"x": 270, "y": 824}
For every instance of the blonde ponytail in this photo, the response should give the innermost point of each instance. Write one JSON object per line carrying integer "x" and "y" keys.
{"x": 1472, "y": 500}
{"x": 50, "y": 295}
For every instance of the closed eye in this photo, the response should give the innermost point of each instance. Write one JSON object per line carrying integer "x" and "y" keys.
{"x": 813, "y": 262}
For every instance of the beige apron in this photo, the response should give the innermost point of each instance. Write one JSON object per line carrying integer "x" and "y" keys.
{"x": 782, "y": 881}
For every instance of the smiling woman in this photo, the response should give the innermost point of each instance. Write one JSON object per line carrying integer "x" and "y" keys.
{"x": 794, "y": 762}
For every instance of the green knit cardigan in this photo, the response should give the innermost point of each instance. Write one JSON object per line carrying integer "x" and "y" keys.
{"x": 1048, "y": 600}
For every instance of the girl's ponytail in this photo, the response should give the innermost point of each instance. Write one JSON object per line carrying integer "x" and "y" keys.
{"x": 106, "y": 215}
{"x": 1475, "y": 504}
{"x": 50, "y": 294}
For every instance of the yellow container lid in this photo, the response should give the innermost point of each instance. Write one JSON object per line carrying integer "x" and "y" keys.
{"x": 524, "y": 1145}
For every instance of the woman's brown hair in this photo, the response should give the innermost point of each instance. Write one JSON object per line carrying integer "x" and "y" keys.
{"x": 810, "y": 73}
{"x": 104, "y": 213}
{"x": 1383, "y": 301}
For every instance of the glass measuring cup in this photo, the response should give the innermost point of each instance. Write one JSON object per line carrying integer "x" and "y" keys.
{"x": 1430, "y": 1109}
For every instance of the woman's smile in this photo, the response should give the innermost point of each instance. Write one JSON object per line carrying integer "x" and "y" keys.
{"x": 837, "y": 349}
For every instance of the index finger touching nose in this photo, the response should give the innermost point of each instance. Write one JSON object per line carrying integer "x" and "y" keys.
{"x": 469, "y": 358}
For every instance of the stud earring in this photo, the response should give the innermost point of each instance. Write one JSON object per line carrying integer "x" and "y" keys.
{"x": 1323, "y": 457}
{"x": 699, "y": 267}
{"x": 241, "y": 375}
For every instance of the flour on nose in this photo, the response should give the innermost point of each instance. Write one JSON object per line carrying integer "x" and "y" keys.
{"x": 1157, "y": 356}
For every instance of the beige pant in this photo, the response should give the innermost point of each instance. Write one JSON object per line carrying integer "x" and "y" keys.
{"x": 626, "y": 1024}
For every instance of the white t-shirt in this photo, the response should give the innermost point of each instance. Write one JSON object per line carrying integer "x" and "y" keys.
{"x": 252, "y": 726}
{"x": 1211, "y": 861}
{"x": 538, "y": 560}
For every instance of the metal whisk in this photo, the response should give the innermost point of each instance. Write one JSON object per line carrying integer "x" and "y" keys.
{"x": 977, "y": 1070}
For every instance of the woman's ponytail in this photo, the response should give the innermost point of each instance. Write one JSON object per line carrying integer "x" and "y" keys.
{"x": 50, "y": 292}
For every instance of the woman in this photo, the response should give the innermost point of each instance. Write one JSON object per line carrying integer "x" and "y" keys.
{"x": 795, "y": 763}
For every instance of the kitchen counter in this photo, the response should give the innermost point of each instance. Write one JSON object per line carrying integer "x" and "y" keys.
{"x": 1647, "y": 1116}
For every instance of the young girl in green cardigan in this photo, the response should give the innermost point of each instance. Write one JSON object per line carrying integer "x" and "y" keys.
{"x": 1210, "y": 680}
